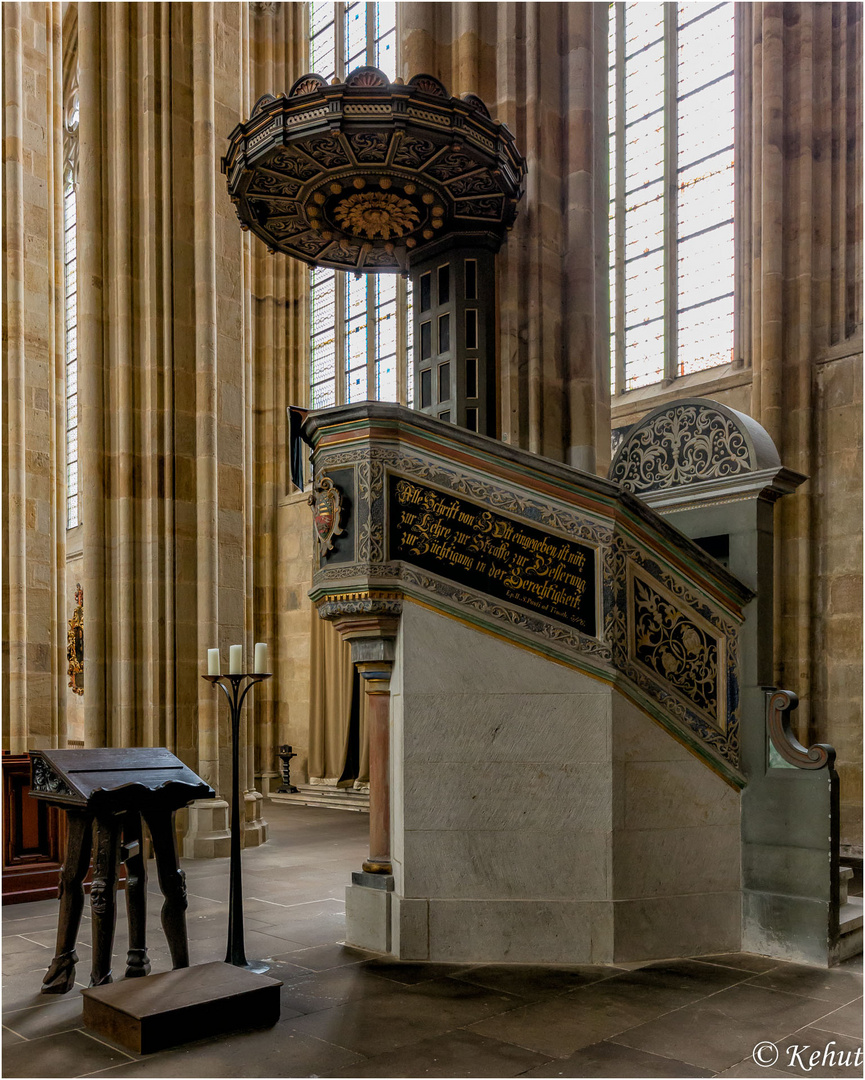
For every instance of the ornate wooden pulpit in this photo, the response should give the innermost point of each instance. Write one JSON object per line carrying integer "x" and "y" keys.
{"x": 115, "y": 790}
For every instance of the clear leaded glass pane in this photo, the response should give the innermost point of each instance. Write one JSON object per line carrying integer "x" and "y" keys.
{"x": 705, "y": 243}
{"x": 322, "y": 45}
{"x": 700, "y": 266}
{"x": 71, "y": 338}
{"x": 643, "y": 271}
{"x": 353, "y": 339}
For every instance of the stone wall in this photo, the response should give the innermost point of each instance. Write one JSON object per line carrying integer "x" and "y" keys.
{"x": 295, "y": 615}
{"x": 537, "y": 816}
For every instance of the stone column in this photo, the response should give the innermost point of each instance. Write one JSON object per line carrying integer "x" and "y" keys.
{"x": 801, "y": 286}
{"x": 372, "y": 638}
{"x": 33, "y": 380}
{"x": 372, "y": 635}
{"x": 376, "y": 680}
{"x": 542, "y": 69}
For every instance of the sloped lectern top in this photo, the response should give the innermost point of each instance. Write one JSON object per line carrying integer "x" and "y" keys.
{"x": 115, "y": 778}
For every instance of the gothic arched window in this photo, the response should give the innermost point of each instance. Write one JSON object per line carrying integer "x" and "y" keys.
{"x": 671, "y": 96}
{"x": 360, "y": 343}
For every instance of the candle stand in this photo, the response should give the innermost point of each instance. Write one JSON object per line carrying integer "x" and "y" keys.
{"x": 285, "y": 754}
{"x": 235, "y": 952}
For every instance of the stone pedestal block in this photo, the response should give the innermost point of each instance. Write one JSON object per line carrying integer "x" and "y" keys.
{"x": 253, "y": 824}
{"x": 207, "y": 834}
{"x": 367, "y": 912}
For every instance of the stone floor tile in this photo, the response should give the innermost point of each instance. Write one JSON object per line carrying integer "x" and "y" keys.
{"x": 742, "y": 961}
{"x": 374, "y": 1026}
{"x": 828, "y": 984}
{"x": 313, "y": 991}
{"x": 456, "y": 1053}
{"x": 534, "y": 981}
{"x": 721, "y": 1030}
{"x": 322, "y": 957}
{"x": 691, "y": 975}
{"x": 844, "y": 1021}
{"x": 65, "y": 1015}
{"x": 23, "y": 991}
{"x": 16, "y": 944}
{"x": 750, "y": 1069}
{"x": 837, "y": 1055}
{"x": 559, "y": 1026}
{"x": 409, "y": 972}
{"x": 273, "y": 1052}
{"x": 302, "y": 930}
{"x": 607, "y": 1059}
{"x": 71, "y": 1053}
{"x": 10, "y": 1038}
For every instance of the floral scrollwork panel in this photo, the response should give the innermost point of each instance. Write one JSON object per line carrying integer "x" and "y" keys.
{"x": 677, "y": 648}
{"x": 684, "y": 444}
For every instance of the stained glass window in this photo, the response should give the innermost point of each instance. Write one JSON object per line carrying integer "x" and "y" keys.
{"x": 671, "y": 97}
{"x": 360, "y": 344}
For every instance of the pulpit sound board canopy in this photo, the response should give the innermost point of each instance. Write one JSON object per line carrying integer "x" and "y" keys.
{"x": 114, "y": 779}
{"x": 366, "y": 174}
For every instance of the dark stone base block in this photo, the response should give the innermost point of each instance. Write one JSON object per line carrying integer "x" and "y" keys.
{"x": 180, "y": 1006}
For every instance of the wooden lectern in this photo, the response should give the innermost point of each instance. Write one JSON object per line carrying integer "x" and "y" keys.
{"x": 115, "y": 790}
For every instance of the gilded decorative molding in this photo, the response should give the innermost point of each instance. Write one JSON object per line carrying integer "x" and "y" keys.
{"x": 676, "y": 647}
{"x": 511, "y": 616}
{"x": 326, "y": 502}
{"x": 75, "y": 644}
{"x": 682, "y": 444}
{"x": 335, "y": 609}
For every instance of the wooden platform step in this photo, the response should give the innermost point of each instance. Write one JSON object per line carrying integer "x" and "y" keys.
{"x": 330, "y": 798}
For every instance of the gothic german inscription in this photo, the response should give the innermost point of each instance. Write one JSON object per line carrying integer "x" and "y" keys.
{"x": 504, "y": 558}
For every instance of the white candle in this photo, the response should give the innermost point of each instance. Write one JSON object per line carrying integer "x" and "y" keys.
{"x": 213, "y": 662}
{"x": 261, "y": 658}
{"x": 235, "y": 660}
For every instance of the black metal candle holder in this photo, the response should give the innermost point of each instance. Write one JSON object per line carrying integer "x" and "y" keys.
{"x": 236, "y": 952}
{"x": 285, "y": 754}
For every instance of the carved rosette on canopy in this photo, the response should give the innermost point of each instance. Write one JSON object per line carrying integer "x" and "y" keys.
{"x": 366, "y": 173}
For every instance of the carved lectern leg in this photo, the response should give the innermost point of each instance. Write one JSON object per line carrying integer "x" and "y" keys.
{"x": 137, "y": 961}
{"x": 103, "y": 896}
{"x": 172, "y": 881}
{"x": 61, "y": 974}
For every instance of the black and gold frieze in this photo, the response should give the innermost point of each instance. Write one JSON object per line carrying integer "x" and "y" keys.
{"x": 496, "y": 555}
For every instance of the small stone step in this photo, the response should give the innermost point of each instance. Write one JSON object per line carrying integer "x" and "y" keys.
{"x": 328, "y": 797}
{"x": 850, "y": 923}
{"x": 846, "y": 876}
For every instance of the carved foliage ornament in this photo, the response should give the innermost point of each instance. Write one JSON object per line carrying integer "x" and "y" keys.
{"x": 45, "y": 779}
{"x": 376, "y": 213}
{"x": 75, "y": 644}
{"x": 675, "y": 648}
{"x": 684, "y": 444}
{"x": 326, "y": 503}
